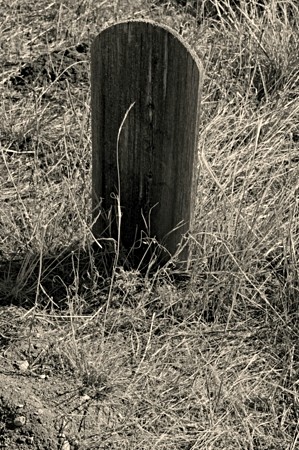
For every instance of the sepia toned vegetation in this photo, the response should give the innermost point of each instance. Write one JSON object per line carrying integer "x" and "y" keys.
{"x": 94, "y": 353}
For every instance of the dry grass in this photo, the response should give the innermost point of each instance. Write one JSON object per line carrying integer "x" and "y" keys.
{"x": 210, "y": 364}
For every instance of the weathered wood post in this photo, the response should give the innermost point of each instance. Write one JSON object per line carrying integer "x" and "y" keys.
{"x": 145, "y": 89}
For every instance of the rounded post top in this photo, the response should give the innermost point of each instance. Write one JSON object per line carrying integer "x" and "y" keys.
{"x": 154, "y": 24}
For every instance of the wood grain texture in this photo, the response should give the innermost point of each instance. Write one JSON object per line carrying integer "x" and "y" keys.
{"x": 153, "y": 167}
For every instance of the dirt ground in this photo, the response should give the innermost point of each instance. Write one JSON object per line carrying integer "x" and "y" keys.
{"x": 40, "y": 408}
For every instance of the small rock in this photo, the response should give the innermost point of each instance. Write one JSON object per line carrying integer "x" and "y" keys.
{"x": 19, "y": 421}
{"x": 22, "y": 365}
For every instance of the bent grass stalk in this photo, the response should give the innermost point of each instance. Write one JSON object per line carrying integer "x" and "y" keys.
{"x": 118, "y": 205}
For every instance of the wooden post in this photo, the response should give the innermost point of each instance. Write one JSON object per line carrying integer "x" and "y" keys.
{"x": 145, "y": 90}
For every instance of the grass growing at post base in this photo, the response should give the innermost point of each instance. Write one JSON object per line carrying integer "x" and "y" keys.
{"x": 209, "y": 364}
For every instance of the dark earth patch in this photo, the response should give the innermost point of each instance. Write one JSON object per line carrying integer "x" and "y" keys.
{"x": 58, "y": 66}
